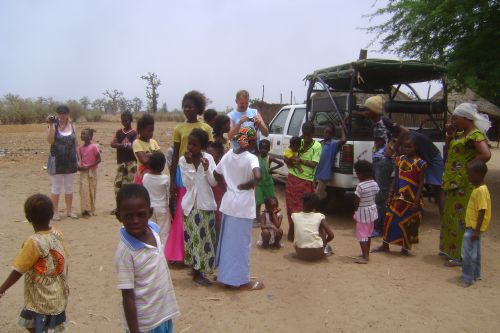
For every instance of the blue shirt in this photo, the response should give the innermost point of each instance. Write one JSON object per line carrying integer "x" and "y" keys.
{"x": 236, "y": 116}
{"x": 324, "y": 168}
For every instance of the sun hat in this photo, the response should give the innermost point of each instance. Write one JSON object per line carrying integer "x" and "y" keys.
{"x": 375, "y": 104}
{"x": 62, "y": 109}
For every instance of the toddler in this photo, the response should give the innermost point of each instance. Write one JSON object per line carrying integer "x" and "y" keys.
{"x": 158, "y": 186}
{"x": 42, "y": 261}
{"x": 365, "y": 213}
{"x": 90, "y": 158}
{"x": 270, "y": 224}
{"x": 291, "y": 154}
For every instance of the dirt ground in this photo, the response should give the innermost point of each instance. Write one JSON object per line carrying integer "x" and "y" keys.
{"x": 392, "y": 293}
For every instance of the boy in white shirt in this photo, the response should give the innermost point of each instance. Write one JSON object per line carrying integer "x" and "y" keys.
{"x": 158, "y": 186}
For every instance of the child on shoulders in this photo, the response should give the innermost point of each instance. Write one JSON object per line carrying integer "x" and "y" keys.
{"x": 42, "y": 261}
{"x": 158, "y": 186}
{"x": 365, "y": 213}
{"x": 312, "y": 233}
{"x": 90, "y": 158}
{"x": 149, "y": 302}
{"x": 477, "y": 220}
{"x": 270, "y": 224}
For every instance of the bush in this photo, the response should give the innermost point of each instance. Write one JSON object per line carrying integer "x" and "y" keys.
{"x": 93, "y": 115}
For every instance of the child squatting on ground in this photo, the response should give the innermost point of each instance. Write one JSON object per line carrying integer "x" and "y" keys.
{"x": 90, "y": 158}
{"x": 149, "y": 302}
{"x": 42, "y": 260}
{"x": 312, "y": 233}
{"x": 365, "y": 213}
{"x": 477, "y": 219}
{"x": 270, "y": 224}
{"x": 158, "y": 186}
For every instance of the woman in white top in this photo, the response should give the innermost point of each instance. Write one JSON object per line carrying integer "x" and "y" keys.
{"x": 63, "y": 159}
{"x": 241, "y": 173}
{"x": 312, "y": 233}
{"x": 198, "y": 206}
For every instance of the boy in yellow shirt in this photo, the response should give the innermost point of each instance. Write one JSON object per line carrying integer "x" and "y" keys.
{"x": 477, "y": 219}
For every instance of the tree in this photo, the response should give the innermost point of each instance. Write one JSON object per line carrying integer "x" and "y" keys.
{"x": 114, "y": 96}
{"x": 100, "y": 104}
{"x": 164, "y": 107}
{"x": 152, "y": 90}
{"x": 85, "y": 102}
{"x": 463, "y": 35}
{"x": 136, "y": 104}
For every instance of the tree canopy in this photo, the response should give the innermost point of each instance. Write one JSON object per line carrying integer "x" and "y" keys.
{"x": 462, "y": 35}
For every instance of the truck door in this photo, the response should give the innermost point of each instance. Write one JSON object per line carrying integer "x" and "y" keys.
{"x": 276, "y": 132}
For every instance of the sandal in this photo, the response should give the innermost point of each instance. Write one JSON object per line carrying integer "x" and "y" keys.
{"x": 453, "y": 263}
{"x": 252, "y": 285}
{"x": 361, "y": 261}
{"x": 202, "y": 281}
{"x": 72, "y": 215}
{"x": 380, "y": 248}
{"x": 56, "y": 217}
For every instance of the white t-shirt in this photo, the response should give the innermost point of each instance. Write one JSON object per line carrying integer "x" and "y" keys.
{"x": 306, "y": 226}
{"x": 238, "y": 169}
{"x": 158, "y": 188}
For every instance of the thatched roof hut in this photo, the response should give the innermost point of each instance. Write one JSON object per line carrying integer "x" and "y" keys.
{"x": 457, "y": 97}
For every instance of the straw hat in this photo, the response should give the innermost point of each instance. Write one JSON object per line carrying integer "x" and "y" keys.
{"x": 375, "y": 104}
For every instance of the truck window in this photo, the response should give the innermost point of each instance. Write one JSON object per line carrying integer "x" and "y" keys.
{"x": 322, "y": 119}
{"x": 278, "y": 123}
{"x": 296, "y": 122}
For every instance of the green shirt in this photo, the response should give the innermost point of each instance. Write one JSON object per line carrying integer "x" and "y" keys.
{"x": 311, "y": 153}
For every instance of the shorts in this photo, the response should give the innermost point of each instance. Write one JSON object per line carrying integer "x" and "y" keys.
{"x": 364, "y": 231}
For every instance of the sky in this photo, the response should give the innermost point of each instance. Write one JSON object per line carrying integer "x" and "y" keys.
{"x": 70, "y": 49}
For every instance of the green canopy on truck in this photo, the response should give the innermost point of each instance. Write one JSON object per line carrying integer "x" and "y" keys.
{"x": 374, "y": 75}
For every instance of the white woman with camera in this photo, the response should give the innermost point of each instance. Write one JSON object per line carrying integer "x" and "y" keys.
{"x": 243, "y": 116}
{"x": 63, "y": 159}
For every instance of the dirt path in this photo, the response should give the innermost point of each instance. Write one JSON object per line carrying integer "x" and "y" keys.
{"x": 392, "y": 293}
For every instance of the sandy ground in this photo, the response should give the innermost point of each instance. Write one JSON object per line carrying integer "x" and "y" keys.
{"x": 392, "y": 293}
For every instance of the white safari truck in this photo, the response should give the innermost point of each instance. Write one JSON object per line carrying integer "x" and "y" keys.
{"x": 335, "y": 92}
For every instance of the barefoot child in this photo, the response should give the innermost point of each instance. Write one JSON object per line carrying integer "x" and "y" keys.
{"x": 477, "y": 219}
{"x": 90, "y": 158}
{"x": 125, "y": 158}
{"x": 270, "y": 224}
{"x": 149, "y": 302}
{"x": 312, "y": 233}
{"x": 265, "y": 187}
{"x": 198, "y": 206}
{"x": 158, "y": 186}
{"x": 144, "y": 145}
{"x": 365, "y": 213}
{"x": 42, "y": 260}
{"x": 404, "y": 211}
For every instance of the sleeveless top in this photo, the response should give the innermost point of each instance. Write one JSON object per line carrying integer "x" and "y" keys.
{"x": 235, "y": 118}
{"x": 64, "y": 150}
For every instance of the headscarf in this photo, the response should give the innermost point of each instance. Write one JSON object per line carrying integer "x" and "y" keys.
{"x": 375, "y": 104}
{"x": 469, "y": 111}
{"x": 245, "y": 135}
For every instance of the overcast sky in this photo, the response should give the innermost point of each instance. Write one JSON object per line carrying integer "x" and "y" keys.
{"x": 69, "y": 49}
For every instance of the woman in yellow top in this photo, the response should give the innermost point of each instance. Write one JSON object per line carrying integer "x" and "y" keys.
{"x": 144, "y": 145}
{"x": 193, "y": 105}
{"x": 465, "y": 141}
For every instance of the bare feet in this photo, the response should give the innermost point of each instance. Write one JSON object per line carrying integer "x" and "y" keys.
{"x": 202, "y": 280}
{"x": 381, "y": 248}
{"x": 252, "y": 285}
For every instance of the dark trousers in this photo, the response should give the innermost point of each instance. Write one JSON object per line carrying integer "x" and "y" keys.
{"x": 382, "y": 174}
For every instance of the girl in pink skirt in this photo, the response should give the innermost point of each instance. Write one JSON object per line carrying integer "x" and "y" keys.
{"x": 366, "y": 209}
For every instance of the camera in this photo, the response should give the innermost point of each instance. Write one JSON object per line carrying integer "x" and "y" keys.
{"x": 53, "y": 119}
{"x": 252, "y": 119}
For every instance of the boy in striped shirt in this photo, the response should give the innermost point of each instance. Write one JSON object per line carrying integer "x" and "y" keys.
{"x": 149, "y": 301}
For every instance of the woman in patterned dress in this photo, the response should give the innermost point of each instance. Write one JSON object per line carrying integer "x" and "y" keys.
{"x": 465, "y": 141}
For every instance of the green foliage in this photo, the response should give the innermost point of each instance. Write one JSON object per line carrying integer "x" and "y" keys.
{"x": 175, "y": 116}
{"x": 94, "y": 115}
{"x": 463, "y": 35}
